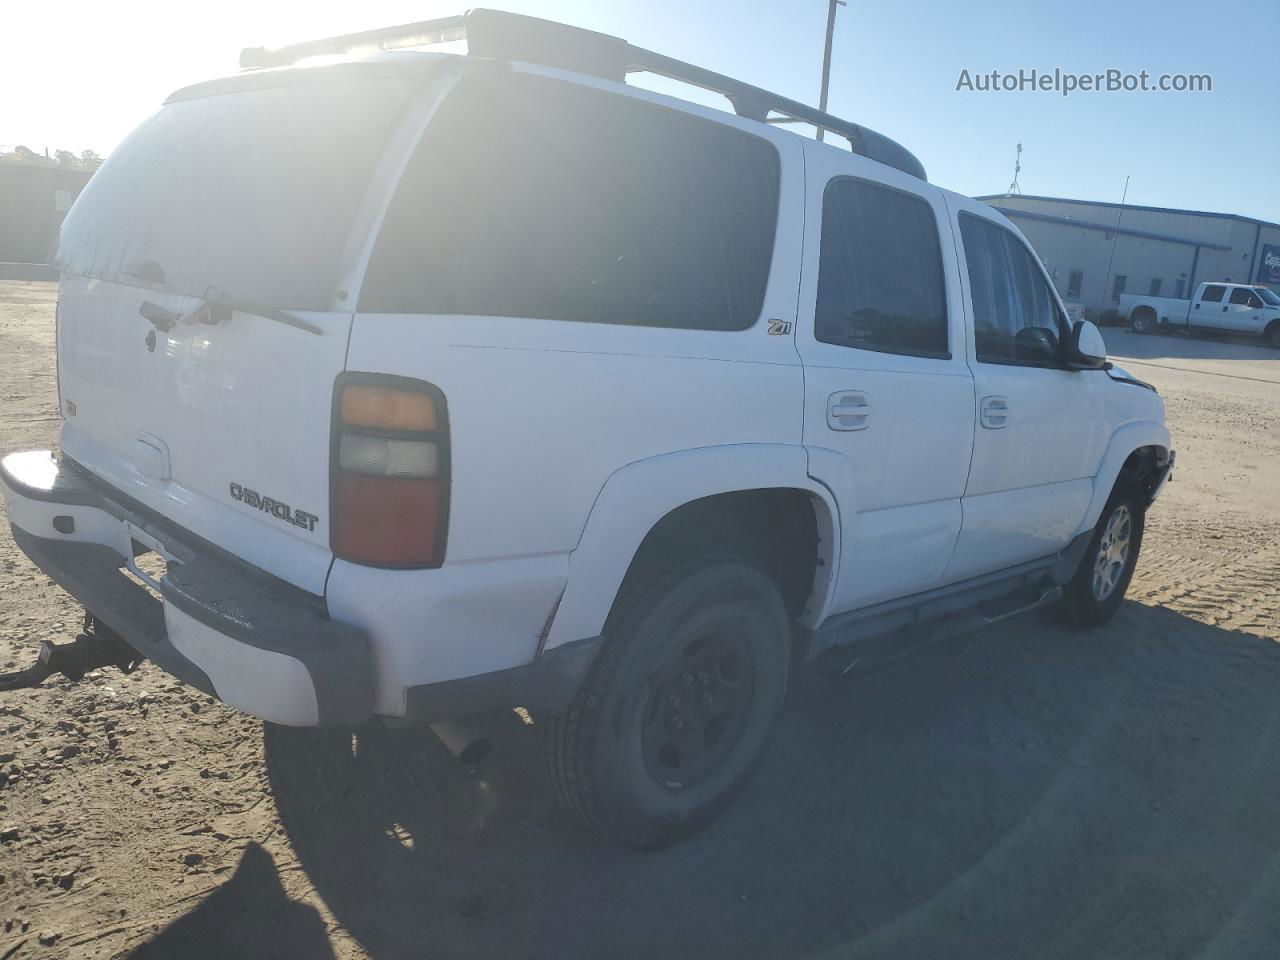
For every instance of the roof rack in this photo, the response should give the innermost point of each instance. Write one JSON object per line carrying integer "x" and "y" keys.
{"x": 510, "y": 36}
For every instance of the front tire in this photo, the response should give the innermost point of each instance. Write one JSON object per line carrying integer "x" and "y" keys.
{"x": 681, "y": 703}
{"x": 1097, "y": 589}
{"x": 1272, "y": 335}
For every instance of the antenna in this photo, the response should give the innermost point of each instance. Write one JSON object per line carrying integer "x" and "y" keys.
{"x": 1014, "y": 189}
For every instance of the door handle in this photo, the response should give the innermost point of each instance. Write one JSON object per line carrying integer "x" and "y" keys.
{"x": 848, "y": 410}
{"x": 995, "y": 413}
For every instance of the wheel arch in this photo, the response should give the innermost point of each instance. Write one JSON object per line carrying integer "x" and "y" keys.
{"x": 640, "y": 501}
{"x": 1130, "y": 447}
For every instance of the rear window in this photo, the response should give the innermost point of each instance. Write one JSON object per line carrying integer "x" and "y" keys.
{"x": 250, "y": 192}
{"x": 530, "y": 197}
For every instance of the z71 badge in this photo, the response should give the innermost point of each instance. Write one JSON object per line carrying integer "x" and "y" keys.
{"x": 279, "y": 510}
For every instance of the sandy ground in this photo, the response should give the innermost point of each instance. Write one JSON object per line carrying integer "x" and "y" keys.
{"x": 1025, "y": 791}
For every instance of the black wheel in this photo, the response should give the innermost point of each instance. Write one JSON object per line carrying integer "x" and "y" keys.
{"x": 1272, "y": 334}
{"x": 681, "y": 702}
{"x": 1097, "y": 589}
{"x": 1142, "y": 321}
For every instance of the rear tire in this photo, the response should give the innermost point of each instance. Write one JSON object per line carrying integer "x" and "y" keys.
{"x": 1272, "y": 335}
{"x": 1097, "y": 589}
{"x": 681, "y": 703}
{"x": 1143, "y": 320}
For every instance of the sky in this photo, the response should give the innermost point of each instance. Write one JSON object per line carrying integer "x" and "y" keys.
{"x": 79, "y": 74}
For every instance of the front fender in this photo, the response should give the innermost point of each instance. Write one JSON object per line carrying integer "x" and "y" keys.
{"x": 1131, "y": 436}
{"x": 637, "y": 496}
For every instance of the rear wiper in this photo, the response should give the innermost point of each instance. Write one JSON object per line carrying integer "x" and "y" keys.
{"x": 219, "y": 309}
{"x": 216, "y": 309}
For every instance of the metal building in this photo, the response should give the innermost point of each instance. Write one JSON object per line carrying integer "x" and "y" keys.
{"x": 34, "y": 198}
{"x": 1095, "y": 251}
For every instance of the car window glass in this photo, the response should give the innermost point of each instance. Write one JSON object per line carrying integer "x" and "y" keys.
{"x": 1015, "y": 317}
{"x": 880, "y": 280}
{"x": 1240, "y": 297}
{"x": 531, "y": 197}
{"x": 1213, "y": 294}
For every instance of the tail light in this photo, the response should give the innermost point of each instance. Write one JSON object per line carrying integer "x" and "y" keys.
{"x": 390, "y": 474}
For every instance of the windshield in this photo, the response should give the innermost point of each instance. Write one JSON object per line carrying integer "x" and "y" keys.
{"x": 250, "y": 192}
{"x": 1268, "y": 297}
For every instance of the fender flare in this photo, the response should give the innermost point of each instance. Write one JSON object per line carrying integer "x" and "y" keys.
{"x": 1128, "y": 438}
{"x": 635, "y": 497}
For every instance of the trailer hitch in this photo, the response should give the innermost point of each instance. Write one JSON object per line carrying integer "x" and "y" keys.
{"x": 96, "y": 646}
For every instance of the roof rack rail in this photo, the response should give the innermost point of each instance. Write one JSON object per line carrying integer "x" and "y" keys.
{"x": 511, "y": 36}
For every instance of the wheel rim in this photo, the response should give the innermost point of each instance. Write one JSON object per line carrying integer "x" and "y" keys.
{"x": 1113, "y": 552}
{"x": 1141, "y": 323}
{"x": 697, "y": 707}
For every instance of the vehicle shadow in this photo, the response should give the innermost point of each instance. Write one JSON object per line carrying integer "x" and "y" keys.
{"x": 1177, "y": 344}
{"x": 1025, "y": 790}
{"x": 250, "y": 917}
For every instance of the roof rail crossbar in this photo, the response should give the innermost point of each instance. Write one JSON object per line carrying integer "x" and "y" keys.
{"x": 510, "y": 36}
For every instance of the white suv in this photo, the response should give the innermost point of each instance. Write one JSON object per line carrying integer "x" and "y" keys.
{"x": 449, "y": 384}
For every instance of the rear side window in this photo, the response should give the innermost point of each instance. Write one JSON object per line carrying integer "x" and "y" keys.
{"x": 1015, "y": 318}
{"x": 1213, "y": 294}
{"x": 880, "y": 281}
{"x": 530, "y": 197}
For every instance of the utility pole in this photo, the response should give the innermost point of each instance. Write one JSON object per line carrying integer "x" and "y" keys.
{"x": 826, "y": 58}
{"x": 1115, "y": 237}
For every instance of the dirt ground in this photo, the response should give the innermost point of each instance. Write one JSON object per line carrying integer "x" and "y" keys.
{"x": 1024, "y": 791}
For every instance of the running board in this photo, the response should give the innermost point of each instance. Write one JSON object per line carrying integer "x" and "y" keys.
{"x": 879, "y": 642}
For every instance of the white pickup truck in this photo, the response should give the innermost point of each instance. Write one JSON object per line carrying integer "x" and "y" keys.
{"x": 438, "y": 385}
{"x": 1216, "y": 307}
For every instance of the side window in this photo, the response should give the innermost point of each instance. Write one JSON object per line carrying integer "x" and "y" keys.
{"x": 1117, "y": 288}
{"x": 880, "y": 279}
{"x": 532, "y": 197}
{"x": 1241, "y": 297}
{"x": 1015, "y": 318}
{"x": 1213, "y": 294}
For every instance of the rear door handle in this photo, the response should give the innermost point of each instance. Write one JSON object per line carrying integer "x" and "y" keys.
{"x": 995, "y": 413}
{"x": 848, "y": 410}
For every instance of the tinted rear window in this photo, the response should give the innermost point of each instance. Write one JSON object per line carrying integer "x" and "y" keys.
{"x": 880, "y": 284}
{"x": 530, "y": 197}
{"x": 251, "y": 193}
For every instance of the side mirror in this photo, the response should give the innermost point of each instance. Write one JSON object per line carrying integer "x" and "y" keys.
{"x": 1087, "y": 350}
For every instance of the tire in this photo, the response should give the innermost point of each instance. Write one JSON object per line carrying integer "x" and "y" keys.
{"x": 1142, "y": 321}
{"x": 1097, "y": 588}
{"x": 1272, "y": 335}
{"x": 709, "y": 630}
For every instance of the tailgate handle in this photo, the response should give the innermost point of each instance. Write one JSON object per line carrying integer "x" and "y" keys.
{"x": 161, "y": 318}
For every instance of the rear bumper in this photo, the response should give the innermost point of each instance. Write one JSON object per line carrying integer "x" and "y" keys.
{"x": 235, "y": 632}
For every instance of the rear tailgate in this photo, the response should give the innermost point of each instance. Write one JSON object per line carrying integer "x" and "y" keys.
{"x": 222, "y": 429}
{"x": 257, "y": 190}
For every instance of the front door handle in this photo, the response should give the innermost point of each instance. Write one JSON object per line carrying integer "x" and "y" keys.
{"x": 995, "y": 413}
{"x": 848, "y": 410}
